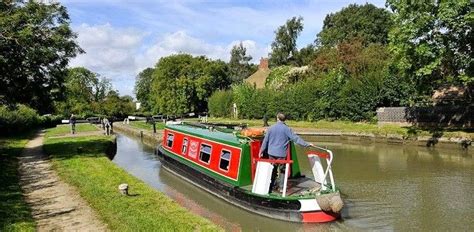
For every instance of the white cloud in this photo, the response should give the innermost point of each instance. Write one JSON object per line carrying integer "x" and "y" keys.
{"x": 121, "y": 53}
{"x": 108, "y": 49}
{"x": 181, "y": 42}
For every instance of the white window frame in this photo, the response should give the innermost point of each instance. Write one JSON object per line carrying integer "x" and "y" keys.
{"x": 167, "y": 139}
{"x": 210, "y": 153}
{"x": 220, "y": 159}
{"x": 185, "y": 147}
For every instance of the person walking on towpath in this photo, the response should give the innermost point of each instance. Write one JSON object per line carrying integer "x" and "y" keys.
{"x": 72, "y": 121}
{"x": 275, "y": 144}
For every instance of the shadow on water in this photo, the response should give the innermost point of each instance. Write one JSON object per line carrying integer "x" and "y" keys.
{"x": 385, "y": 187}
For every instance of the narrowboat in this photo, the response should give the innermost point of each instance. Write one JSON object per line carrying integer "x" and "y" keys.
{"x": 225, "y": 162}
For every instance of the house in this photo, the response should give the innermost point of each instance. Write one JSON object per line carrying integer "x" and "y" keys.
{"x": 260, "y": 76}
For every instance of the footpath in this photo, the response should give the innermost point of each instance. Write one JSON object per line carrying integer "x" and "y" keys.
{"x": 55, "y": 205}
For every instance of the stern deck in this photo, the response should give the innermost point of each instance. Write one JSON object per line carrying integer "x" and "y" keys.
{"x": 297, "y": 187}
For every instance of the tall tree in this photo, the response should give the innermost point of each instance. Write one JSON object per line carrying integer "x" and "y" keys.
{"x": 84, "y": 90}
{"x": 182, "y": 83}
{"x": 432, "y": 42}
{"x": 143, "y": 87}
{"x": 114, "y": 105}
{"x": 36, "y": 43}
{"x": 239, "y": 67}
{"x": 305, "y": 55}
{"x": 368, "y": 22}
{"x": 284, "y": 47}
{"x": 84, "y": 85}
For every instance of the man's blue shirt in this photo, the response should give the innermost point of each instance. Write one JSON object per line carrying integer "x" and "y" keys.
{"x": 277, "y": 139}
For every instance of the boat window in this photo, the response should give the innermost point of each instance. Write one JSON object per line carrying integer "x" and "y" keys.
{"x": 184, "y": 149}
{"x": 225, "y": 160}
{"x": 169, "y": 140}
{"x": 205, "y": 153}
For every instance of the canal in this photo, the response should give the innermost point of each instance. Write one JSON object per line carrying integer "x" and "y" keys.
{"x": 385, "y": 187}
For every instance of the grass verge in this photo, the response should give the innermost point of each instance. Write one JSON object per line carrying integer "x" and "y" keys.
{"x": 66, "y": 129}
{"x": 364, "y": 128}
{"x": 146, "y": 126}
{"x": 15, "y": 214}
{"x": 81, "y": 161}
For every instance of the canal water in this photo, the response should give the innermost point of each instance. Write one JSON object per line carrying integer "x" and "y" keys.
{"x": 385, "y": 187}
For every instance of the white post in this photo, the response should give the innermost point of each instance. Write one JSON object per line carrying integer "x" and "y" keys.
{"x": 285, "y": 181}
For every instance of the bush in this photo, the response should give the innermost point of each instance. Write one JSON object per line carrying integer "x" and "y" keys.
{"x": 21, "y": 118}
{"x": 278, "y": 77}
{"x": 220, "y": 103}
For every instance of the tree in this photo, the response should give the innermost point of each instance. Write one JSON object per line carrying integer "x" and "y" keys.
{"x": 182, "y": 83}
{"x": 432, "y": 42}
{"x": 284, "y": 47}
{"x": 239, "y": 67}
{"x": 36, "y": 43}
{"x": 79, "y": 85}
{"x": 143, "y": 87}
{"x": 220, "y": 103}
{"x": 368, "y": 22}
{"x": 305, "y": 55}
{"x": 84, "y": 90}
{"x": 114, "y": 105}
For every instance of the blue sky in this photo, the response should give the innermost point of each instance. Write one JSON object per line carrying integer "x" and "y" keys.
{"x": 122, "y": 37}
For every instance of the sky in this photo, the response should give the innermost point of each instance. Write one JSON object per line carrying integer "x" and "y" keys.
{"x": 122, "y": 37}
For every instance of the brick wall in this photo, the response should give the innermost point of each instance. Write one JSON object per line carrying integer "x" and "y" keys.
{"x": 439, "y": 116}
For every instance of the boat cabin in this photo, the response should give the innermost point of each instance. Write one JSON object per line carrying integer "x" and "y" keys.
{"x": 226, "y": 163}
{"x": 224, "y": 154}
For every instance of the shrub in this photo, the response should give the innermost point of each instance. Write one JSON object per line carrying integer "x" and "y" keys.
{"x": 21, "y": 118}
{"x": 220, "y": 103}
{"x": 278, "y": 77}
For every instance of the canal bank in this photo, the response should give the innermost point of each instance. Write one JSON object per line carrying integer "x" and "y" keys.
{"x": 82, "y": 162}
{"x": 463, "y": 141}
{"x": 147, "y": 136}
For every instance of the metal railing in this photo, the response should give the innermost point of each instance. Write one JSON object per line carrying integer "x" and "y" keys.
{"x": 328, "y": 156}
{"x": 287, "y": 167}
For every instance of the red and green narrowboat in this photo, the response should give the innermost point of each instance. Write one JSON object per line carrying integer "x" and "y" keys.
{"x": 225, "y": 163}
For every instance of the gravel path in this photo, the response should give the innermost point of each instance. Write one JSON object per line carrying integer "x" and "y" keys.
{"x": 56, "y": 206}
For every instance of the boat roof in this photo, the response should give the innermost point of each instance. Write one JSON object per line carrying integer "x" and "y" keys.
{"x": 213, "y": 135}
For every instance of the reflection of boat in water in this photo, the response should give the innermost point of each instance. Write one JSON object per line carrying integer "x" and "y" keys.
{"x": 225, "y": 162}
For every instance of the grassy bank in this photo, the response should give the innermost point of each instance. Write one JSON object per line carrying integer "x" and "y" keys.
{"x": 352, "y": 127}
{"x": 146, "y": 126}
{"x": 97, "y": 179}
{"x": 66, "y": 129}
{"x": 15, "y": 214}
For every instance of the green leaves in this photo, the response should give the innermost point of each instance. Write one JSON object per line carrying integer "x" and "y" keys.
{"x": 363, "y": 21}
{"x": 239, "y": 67}
{"x": 36, "y": 44}
{"x": 221, "y": 103}
{"x": 183, "y": 83}
{"x": 143, "y": 88}
{"x": 432, "y": 42}
{"x": 284, "y": 48}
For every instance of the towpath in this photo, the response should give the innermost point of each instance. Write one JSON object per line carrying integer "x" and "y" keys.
{"x": 56, "y": 206}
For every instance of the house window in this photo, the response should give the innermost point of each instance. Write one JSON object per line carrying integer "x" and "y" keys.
{"x": 205, "y": 153}
{"x": 169, "y": 140}
{"x": 225, "y": 160}
{"x": 184, "y": 148}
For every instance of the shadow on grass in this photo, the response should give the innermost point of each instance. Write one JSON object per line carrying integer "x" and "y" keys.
{"x": 15, "y": 214}
{"x": 66, "y": 148}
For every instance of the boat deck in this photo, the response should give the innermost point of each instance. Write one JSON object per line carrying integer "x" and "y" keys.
{"x": 297, "y": 187}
